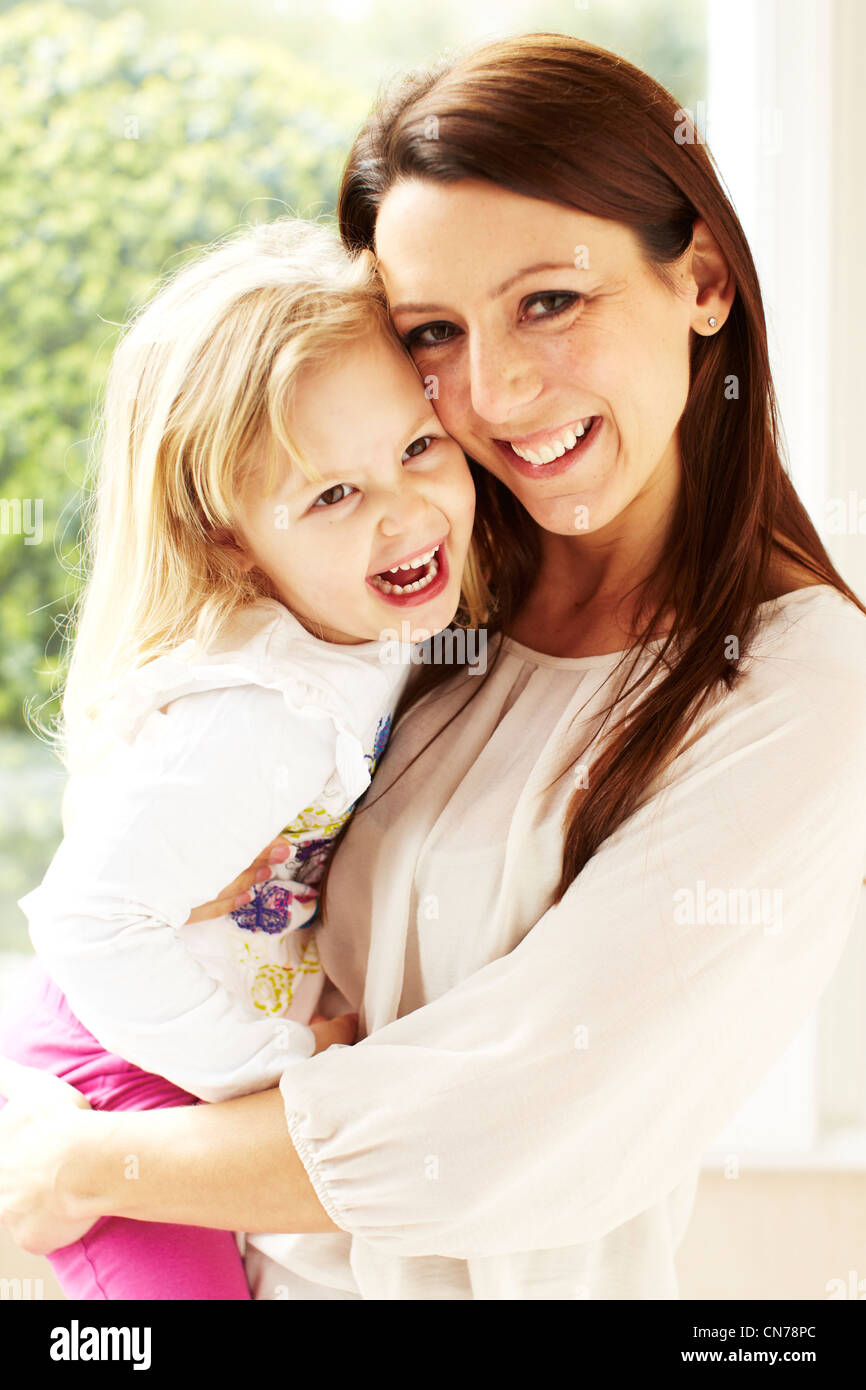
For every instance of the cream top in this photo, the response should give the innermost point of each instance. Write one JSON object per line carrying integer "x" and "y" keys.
{"x": 526, "y": 1115}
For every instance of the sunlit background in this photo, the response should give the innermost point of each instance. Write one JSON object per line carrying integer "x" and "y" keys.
{"x": 132, "y": 136}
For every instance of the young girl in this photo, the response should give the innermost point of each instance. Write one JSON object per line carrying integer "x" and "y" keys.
{"x": 276, "y": 497}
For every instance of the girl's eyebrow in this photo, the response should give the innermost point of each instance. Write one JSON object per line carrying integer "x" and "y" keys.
{"x": 427, "y": 418}
{"x": 409, "y": 308}
{"x": 303, "y": 484}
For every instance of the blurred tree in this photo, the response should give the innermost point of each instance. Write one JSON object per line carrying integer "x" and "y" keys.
{"x": 120, "y": 151}
{"x": 366, "y": 40}
{"x": 128, "y": 141}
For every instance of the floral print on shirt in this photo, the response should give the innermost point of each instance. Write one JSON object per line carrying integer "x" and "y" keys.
{"x": 288, "y": 902}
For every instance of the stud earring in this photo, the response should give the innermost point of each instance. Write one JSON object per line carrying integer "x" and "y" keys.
{"x": 711, "y": 322}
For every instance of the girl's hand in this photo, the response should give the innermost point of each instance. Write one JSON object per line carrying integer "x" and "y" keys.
{"x": 40, "y": 1128}
{"x": 237, "y": 893}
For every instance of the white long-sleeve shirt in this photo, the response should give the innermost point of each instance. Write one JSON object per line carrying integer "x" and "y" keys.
{"x": 204, "y": 758}
{"x": 526, "y": 1115}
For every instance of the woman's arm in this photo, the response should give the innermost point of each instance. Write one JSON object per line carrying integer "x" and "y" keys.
{"x": 230, "y": 1166}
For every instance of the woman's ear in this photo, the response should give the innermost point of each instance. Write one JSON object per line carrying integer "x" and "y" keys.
{"x": 712, "y": 278}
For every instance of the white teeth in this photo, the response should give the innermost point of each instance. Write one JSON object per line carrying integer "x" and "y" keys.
{"x": 555, "y": 448}
{"x": 418, "y": 560}
{"x": 422, "y": 583}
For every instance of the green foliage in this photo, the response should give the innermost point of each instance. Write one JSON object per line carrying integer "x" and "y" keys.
{"x": 121, "y": 152}
{"x": 126, "y": 143}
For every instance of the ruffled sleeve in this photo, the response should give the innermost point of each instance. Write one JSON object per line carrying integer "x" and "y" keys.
{"x": 267, "y": 647}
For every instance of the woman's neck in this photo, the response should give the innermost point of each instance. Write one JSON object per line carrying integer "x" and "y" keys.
{"x": 585, "y": 597}
{"x": 573, "y": 611}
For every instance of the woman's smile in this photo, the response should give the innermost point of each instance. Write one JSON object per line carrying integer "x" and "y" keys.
{"x": 546, "y": 454}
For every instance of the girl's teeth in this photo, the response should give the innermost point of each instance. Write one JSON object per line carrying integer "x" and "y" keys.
{"x": 422, "y": 583}
{"x": 418, "y": 560}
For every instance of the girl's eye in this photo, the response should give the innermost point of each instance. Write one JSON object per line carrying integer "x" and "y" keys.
{"x": 436, "y": 333}
{"x": 552, "y": 302}
{"x": 418, "y": 446}
{"x": 334, "y": 494}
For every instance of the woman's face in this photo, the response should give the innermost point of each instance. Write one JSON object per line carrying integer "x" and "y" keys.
{"x": 529, "y": 323}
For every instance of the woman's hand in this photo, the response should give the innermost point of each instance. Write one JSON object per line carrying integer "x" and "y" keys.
{"x": 40, "y": 1127}
{"x": 238, "y": 892}
{"x": 341, "y": 1030}
{"x": 48, "y": 1149}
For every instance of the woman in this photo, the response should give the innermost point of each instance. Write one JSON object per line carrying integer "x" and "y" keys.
{"x": 595, "y": 892}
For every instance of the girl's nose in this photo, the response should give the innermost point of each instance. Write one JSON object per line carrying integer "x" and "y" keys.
{"x": 404, "y": 512}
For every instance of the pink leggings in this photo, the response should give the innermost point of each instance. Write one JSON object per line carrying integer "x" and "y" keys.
{"x": 118, "y": 1258}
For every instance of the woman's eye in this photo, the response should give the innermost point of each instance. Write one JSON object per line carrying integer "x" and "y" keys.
{"x": 552, "y": 302}
{"x": 334, "y": 494}
{"x": 436, "y": 333}
{"x": 418, "y": 446}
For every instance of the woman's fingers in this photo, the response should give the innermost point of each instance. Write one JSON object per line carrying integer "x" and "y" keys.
{"x": 37, "y": 1090}
{"x": 220, "y": 907}
{"x": 239, "y": 890}
{"x": 343, "y": 1030}
{"x": 274, "y": 853}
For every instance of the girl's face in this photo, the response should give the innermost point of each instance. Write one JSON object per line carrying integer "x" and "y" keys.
{"x": 381, "y": 541}
{"x": 560, "y": 359}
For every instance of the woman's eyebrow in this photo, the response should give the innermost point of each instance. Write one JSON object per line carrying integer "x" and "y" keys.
{"x": 411, "y": 308}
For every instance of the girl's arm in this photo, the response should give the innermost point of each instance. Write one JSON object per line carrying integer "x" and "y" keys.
{"x": 207, "y": 783}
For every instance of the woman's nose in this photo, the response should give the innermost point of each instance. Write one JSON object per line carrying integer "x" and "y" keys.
{"x": 501, "y": 381}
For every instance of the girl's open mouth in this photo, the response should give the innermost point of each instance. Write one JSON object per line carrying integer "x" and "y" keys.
{"x": 557, "y": 454}
{"x": 415, "y": 581}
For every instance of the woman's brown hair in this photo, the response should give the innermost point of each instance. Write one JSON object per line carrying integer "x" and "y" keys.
{"x": 553, "y": 118}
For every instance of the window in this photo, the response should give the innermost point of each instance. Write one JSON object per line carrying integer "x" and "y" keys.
{"x": 785, "y": 104}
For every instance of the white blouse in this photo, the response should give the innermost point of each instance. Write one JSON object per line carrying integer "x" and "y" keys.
{"x": 525, "y": 1116}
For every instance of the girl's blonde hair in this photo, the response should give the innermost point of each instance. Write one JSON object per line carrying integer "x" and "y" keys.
{"x": 202, "y": 373}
